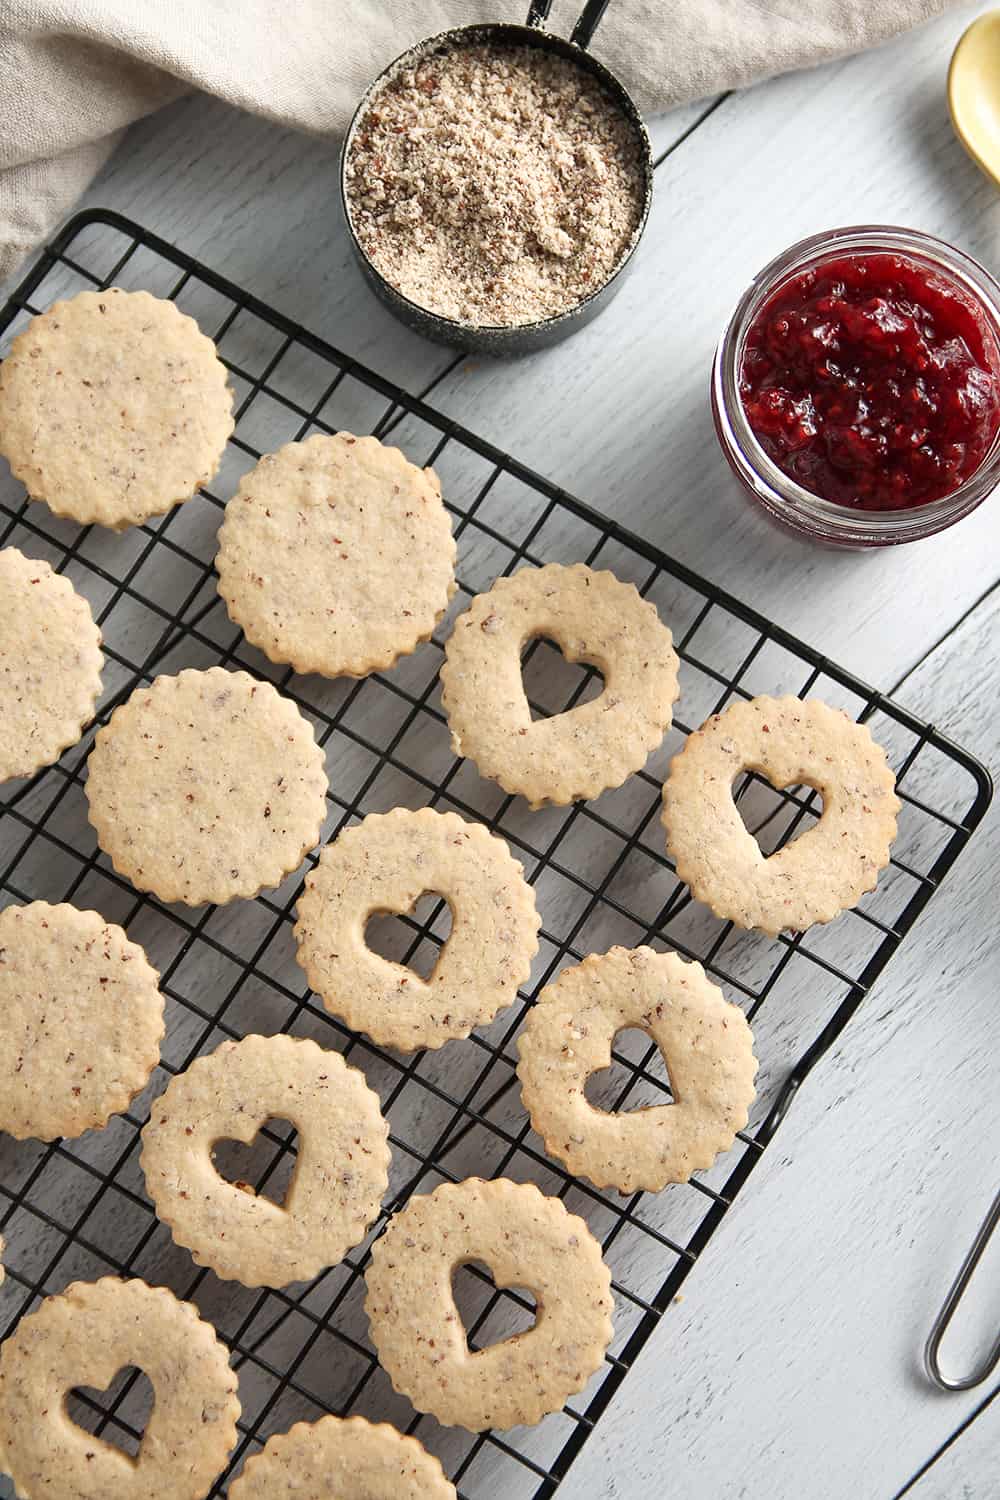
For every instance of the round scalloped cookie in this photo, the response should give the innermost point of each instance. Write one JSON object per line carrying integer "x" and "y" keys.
{"x": 114, "y": 407}
{"x": 50, "y": 664}
{"x": 342, "y": 1459}
{"x": 336, "y": 555}
{"x": 81, "y": 1020}
{"x": 206, "y": 786}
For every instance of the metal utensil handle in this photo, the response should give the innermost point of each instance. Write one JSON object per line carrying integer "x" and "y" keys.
{"x": 954, "y": 1297}
{"x": 583, "y": 32}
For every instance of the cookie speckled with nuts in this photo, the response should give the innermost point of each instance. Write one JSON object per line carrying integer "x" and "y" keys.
{"x": 81, "y": 1020}
{"x": 527, "y": 1240}
{"x": 206, "y": 786}
{"x": 84, "y": 1337}
{"x": 385, "y": 864}
{"x": 113, "y": 407}
{"x": 706, "y": 1045}
{"x": 336, "y": 555}
{"x": 824, "y": 870}
{"x": 592, "y": 617}
{"x": 338, "y": 1459}
{"x": 50, "y": 664}
{"x": 341, "y": 1170}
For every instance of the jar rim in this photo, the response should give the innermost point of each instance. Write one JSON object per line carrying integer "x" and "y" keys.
{"x": 783, "y": 496}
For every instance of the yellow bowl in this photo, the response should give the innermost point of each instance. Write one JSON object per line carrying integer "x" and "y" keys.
{"x": 974, "y": 92}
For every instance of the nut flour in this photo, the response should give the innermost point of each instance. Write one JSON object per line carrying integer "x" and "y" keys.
{"x": 494, "y": 185}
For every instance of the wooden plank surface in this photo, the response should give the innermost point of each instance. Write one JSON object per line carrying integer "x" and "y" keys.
{"x": 967, "y": 1469}
{"x": 791, "y": 1366}
{"x": 796, "y": 1350}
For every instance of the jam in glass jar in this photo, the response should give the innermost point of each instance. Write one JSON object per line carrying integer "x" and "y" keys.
{"x": 856, "y": 390}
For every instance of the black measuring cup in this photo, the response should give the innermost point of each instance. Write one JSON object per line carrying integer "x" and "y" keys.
{"x": 520, "y": 338}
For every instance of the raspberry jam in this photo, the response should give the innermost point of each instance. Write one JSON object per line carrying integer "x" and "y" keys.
{"x": 872, "y": 380}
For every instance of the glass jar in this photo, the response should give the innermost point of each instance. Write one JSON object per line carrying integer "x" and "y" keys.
{"x": 781, "y": 496}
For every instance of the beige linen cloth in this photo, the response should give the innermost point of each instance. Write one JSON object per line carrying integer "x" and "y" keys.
{"x": 74, "y": 73}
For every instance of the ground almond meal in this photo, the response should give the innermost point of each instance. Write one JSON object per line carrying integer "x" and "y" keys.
{"x": 494, "y": 185}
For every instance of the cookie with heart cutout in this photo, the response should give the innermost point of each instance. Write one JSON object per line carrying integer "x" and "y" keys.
{"x": 527, "y": 1240}
{"x": 341, "y": 1169}
{"x": 790, "y": 742}
{"x": 84, "y": 1337}
{"x": 706, "y": 1045}
{"x": 385, "y": 863}
{"x": 593, "y": 617}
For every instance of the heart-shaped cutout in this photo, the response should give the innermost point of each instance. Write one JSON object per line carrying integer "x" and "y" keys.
{"x": 414, "y": 939}
{"x": 490, "y": 1315}
{"x": 117, "y": 1415}
{"x": 552, "y": 684}
{"x": 776, "y": 818}
{"x": 635, "y": 1078}
{"x": 264, "y": 1166}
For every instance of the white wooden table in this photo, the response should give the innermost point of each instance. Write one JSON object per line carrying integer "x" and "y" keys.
{"x": 792, "y": 1366}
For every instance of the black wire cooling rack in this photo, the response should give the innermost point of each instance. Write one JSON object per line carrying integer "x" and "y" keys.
{"x": 78, "y": 1209}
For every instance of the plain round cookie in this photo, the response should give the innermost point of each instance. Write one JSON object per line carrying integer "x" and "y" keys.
{"x": 113, "y": 407}
{"x": 705, "y": 1042}
{"x": 385, "y": 864}
{"x": 83, "y": 1337}
{"x": 341, "y": 1170}
{"x": 81, "y": 1020}
{"x": 791, "y": 742}
{"x": 527, "y": 1240}
{"x": 206, "y": 786}
{"x": 342, "y": 1459}
{"x": 592, "y": 617}
{"x": 336, "y": 555}
{"x": 50, "y": 664}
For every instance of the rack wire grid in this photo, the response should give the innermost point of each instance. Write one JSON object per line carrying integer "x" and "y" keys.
{"x": 77, "y": 1208}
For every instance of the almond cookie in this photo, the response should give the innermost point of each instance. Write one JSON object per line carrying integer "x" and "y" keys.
{"x": 706, "y": 1045}
{"x": 820, "y": 873}
{"x": 81, "y": 1020}
{"x": 206, "y": 786}
{"x": 336, "y": 555}
{"x": 50, "y": 664}
{"x": 385, "y": 864}
{"x": 341, "y": 1169}
{"x": 113, "y": 407}
{"x": 527, "y": 1240}
{"x": 84, "y": 1337}
{"x": 334, "y": 1459}
{"x": 592, "y": 617}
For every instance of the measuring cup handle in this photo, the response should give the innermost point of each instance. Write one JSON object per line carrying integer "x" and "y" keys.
{"x": 539, "y": 12}
{"x": 583, "y": 31}
{"x": 590, "y": 18}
